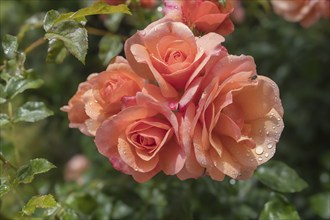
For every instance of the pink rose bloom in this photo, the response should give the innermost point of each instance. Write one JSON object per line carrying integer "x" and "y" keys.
{"x": 235, "y": 125}
{"x": 142, "y": 139}
{"x": 203, "y": 15}
{"x": 169, "y": 54}
{"x": 75, "y": 168}
{"x": 306, "y": 12}
{"x": 101, "y": 96}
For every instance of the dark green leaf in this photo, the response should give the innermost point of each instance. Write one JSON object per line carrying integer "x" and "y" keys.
{"x": 278, "y": 208}
{"x": 99, "y": 7}
{"x": 32, "y": 112}
{"x": 17, "y": 85}
{"x": 109, "y": 47}
{"x": 4, "y": 119}
{"x": 10, "y": 46}
{"x": 5, "y": 187}
{"x": 280, "y": 177}
{"x": 73, "y": 35}
{"x": 45, "y": 202}
{"x": 320, "y": 204}
{"x": 36, "y": 166}
{"x": 56, "y": 51}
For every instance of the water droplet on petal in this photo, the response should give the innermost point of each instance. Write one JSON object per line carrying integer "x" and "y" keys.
{"x": 259, "y": 150}
{"x": 270, "y": 145}
{"x": 267, "y": 133}
{"x": 274, "y": 127}
{"x": 266, "y": 154}
{"x": 278, "y": 119}
{"x": 260, "y": 159}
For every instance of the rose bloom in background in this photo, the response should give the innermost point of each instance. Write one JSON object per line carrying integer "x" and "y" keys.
{"x": 202, "y": 15}
{"x": 75, "y": 168}
{"x": 306, "y": 12}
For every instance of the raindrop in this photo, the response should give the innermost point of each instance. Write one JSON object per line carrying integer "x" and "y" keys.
{"x": 260, "y": 159}
{"x": 259, "y": 150}
{"x": 278, "y": 119}
{"x": 266, "y": 154}
{"x": 274, "y": 127}
{"x": 270, "y": 145}
{"x": 267, "y": 132}
{"x": 232, "y": 181}
{"x": 272, "y": 114}
{"x": 260, "y": 131}
{"x": 278, "y": 125}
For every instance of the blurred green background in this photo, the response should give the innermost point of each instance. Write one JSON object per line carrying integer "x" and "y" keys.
{"x": 297, "y": 59}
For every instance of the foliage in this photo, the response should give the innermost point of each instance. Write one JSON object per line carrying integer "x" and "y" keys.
{"x": 296, "y": 58}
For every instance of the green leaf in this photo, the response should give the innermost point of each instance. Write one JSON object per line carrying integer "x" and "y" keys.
{"x": 320, "y": 204}
{"x": 36, "y": 166}
{"x": 10, "y": 46}
{"x": 50, "y": 18}
{"x": 99, "y": 7}
{"x": 73, "y": 35}
{"x": 56, "y": 52}
{"x": 68, "y": 214}
{"x": 32, "y": 112}
{"x": 45, "y": 202}
{"x": 278, "y": 208}
{"x": 2, "y": 94}
{"x": 109, "y": 47}
{"x": 5, "y": 187}
{"x": 17, "y": 85}
{"x": 4, "y": 119}
{"x": 280, "y": 177}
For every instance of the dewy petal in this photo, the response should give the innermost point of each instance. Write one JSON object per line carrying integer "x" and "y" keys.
{"x": 192, "y": 168}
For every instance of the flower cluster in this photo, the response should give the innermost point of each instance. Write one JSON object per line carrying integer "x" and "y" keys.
{"x": 306, "y": 12}
{"x": 180, "y": 103}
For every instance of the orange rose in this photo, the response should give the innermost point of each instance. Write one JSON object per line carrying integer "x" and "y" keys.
{"x": 236, "y": 123}
{"x": 142, "y": 140}
{"x": 168, "y": 52}
{"x": 203, "y": 15}
{"x": 306, "y": 12}
{"x": 101, "y": 96}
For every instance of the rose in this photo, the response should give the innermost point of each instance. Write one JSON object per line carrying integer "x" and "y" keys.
{"x": 168, "y": 52}
{"x": 203, "y": 15}
{"x": 236, "y": 123}
{"x": 304, "y": 12}
{"x": 101, "y": 96}
{"x": 148, "y": 3}
{"x": 142, "y": 139}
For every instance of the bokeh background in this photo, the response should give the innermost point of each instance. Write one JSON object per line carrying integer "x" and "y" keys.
{"x": 297, "y": 59}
